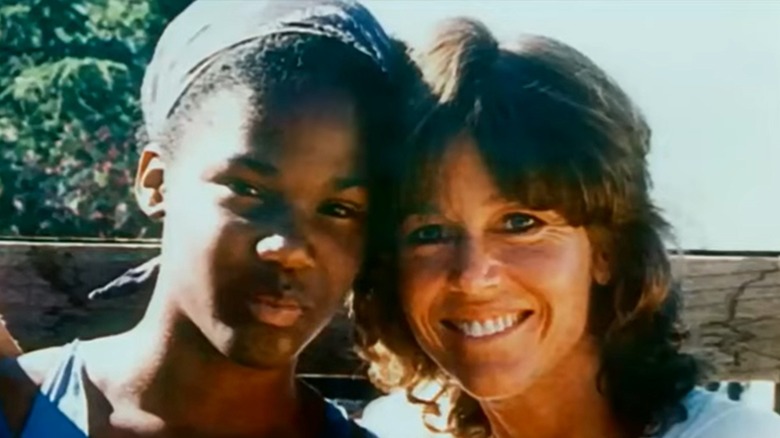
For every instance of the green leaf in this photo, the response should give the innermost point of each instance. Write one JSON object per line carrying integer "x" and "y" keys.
{"x": 62, "y": 35}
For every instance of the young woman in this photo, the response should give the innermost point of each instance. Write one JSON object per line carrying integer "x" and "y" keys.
{"x": 528, "y": 275}
{"x": 263, "y": 117}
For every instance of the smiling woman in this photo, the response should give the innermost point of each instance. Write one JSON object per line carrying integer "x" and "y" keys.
{"x": 530, "y": 278}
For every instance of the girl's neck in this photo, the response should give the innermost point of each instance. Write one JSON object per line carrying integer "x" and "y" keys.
{"x": 170, "y": 371}
{"x": 565, "y": 403}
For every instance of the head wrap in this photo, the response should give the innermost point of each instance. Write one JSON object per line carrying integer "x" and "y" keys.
{"x": 208, "y": 28}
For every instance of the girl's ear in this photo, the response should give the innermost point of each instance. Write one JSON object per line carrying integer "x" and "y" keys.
{"x": 150, "y": 182}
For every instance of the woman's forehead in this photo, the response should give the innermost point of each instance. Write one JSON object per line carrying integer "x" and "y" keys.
{"x": 462, "y": 171}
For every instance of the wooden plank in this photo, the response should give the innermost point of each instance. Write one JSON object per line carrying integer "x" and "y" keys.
{"x": 732, "y": 308}
{"x": 732, "y": 305}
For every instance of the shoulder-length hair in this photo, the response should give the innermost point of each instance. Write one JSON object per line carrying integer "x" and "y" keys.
{"x": 556, "y": 132}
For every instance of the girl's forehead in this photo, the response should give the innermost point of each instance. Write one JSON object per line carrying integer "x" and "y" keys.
{"x": 276, "y": 116}
{"x": 229, "y": 126}
{"x": 311, "y": 126}
{"x": 235, "y": 117}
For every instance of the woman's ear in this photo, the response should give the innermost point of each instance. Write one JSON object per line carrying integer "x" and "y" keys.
{"x": 150, "y": 182}
{"x": 602, "y": 273}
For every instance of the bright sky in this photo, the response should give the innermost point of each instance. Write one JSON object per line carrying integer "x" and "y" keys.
{"x": 707, "y": 75}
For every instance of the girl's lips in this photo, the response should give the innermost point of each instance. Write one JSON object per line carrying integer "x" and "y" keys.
{"x": 278, "y": 312}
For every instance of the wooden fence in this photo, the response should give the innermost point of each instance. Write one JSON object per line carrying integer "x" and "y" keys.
{"x": 732, "y": 305}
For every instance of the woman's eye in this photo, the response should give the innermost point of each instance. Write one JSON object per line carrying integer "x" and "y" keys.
{"x": 518, "y": 223}
{"x": 339, "y": 210}
{"x": 243, "y": 189}
{"x": 428, "y": 235}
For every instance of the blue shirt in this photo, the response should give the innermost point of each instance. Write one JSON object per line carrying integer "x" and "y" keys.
{"x": 60, "y": 407}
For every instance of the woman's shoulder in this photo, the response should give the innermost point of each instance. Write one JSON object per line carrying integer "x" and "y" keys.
{"x": 713, "y": 416}
{"x": 394, "y": 416}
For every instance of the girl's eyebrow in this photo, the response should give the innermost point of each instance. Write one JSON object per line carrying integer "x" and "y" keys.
{"x": 254, "y": 164}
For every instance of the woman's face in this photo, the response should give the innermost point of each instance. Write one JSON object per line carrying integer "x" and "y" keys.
{"x": 263, "y": 223}
{"x": 496, "y": 294}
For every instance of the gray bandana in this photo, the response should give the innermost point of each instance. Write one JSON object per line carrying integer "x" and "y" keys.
{"x": 208, "y": 28}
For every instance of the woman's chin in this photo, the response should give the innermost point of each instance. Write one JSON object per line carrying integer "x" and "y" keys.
{"x": 489, "y": 385}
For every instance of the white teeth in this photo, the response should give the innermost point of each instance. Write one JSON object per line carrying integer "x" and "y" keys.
{"x": 507, "y": 321}
{"x": 478, "y": 329}
{"x": 491, "y": 326}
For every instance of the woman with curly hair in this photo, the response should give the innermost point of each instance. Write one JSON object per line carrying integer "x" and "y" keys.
{"x": 526, "y": 272}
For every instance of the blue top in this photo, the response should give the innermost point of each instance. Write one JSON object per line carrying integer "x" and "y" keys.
{"x": 60, "y": 408}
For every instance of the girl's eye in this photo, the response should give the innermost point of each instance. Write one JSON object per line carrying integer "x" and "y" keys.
{"x": 339, "y": 210}
{"x": 518, "y": 223}
{"x": 428, "y": 235}
{"x": 243, "y": 189}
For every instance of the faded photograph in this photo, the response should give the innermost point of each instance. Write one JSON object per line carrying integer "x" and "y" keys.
{"x": 389, "y": 219}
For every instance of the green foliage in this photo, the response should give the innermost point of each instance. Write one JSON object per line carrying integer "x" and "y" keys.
{"x": 70, "y": 77}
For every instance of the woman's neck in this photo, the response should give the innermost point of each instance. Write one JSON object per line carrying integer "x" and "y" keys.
{"x": 172, "y": 374}
{"x": 565, "y": 403}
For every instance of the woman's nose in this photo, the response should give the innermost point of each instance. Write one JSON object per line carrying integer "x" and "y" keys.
{"x": 476, "y": 270}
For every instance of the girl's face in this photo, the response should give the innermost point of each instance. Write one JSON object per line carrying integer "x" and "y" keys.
{"x": 495, "y": 293}
{"x": 263, "y": 222}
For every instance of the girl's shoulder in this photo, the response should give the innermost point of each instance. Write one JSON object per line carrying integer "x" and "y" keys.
{"x": 20, "y": 382}
{"x": 340, "y": 425}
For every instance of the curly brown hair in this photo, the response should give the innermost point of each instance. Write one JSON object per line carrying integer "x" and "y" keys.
{"x": 557, "y": 133}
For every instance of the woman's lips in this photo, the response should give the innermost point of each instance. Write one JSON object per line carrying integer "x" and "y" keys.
{"x": 488, "y": 327}
{"x": 278, "y": 312}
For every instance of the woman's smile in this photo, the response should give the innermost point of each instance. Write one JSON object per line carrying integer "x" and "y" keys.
{"x": 490, "y": 327}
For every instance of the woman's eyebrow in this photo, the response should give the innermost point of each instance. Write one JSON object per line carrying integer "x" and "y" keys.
{"x": 348, "y": 182}
{"x": 423, "y": 210}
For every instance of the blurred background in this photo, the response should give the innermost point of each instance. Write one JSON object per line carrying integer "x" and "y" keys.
{"x": 707, "y": 74}
{"x": 70, "y": 76}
